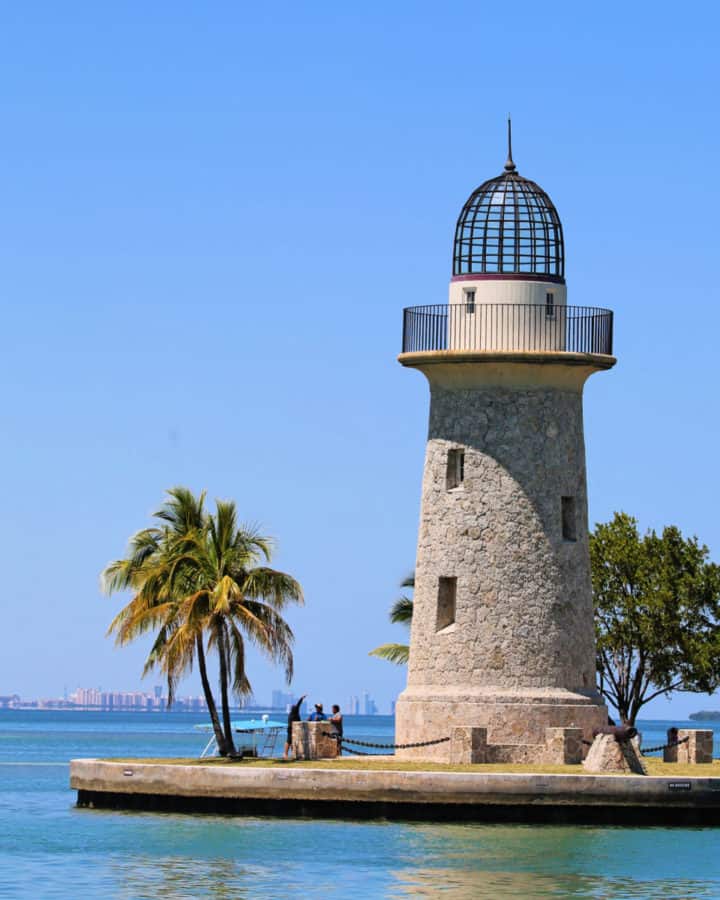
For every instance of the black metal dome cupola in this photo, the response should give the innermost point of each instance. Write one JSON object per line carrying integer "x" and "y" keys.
{"x": 509, "y": 228}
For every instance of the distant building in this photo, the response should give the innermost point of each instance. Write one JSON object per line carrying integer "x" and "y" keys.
{"x": 92, "y": 698}
{"x": 369, "y": 705}
{"x": 282, "y": 700}
{"x": 87, "y": 697}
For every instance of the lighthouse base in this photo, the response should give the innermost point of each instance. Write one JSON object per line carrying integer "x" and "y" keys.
{"x": 515, "y": 721}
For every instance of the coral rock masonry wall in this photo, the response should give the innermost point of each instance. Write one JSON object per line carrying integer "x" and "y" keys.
{"x": 312, "y": 740}
{"x": 697, "y": 746}
{"x": 520, "y": 655}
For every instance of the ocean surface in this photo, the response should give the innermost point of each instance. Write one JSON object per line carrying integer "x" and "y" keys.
{"x": 50, "y": 849}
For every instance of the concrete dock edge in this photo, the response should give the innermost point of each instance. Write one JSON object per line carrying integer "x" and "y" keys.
{"x": 348, "y": 793}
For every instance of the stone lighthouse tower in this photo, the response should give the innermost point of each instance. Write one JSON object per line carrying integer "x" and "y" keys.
{"x": 502, "y": 632}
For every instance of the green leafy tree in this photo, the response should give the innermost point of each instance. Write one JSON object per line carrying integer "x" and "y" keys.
{"x": 199, "y": 582}
{"x": 657, "y": 614}
{"x": 401, "y": 613}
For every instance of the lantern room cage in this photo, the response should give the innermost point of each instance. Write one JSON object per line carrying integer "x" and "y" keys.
{"x": 509, "y": 227}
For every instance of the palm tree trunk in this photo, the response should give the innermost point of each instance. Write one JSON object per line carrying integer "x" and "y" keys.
{"x": 224, "y": 693}
{"x": 209, "y": 699}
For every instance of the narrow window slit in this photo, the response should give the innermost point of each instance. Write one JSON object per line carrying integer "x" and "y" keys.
{"x": 569, "y": 524}
{"x": 447, "y": 592}
{"x": 455, "y": 474}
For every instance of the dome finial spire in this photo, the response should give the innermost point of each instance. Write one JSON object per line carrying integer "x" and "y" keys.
{"x": 509, "y": 164}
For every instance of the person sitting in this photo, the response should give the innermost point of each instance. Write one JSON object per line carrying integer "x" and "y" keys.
{"x": 318, "y": 715}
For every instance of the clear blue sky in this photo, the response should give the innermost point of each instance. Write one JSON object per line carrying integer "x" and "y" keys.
{"x": 211, "y": 218}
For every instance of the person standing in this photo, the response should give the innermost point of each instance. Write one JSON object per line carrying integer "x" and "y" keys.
{"x": 293, "y": 716}
{"x": 336, "y": 722}
{"x": 318, "y": 715}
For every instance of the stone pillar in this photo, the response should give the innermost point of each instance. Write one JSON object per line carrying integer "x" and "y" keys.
{"x": 502, "y": 631}
{"x": 670, "y": 754}
{"x": 468, "y": 745}
{"x": 310, "y": 740}
{"x": 697, "y": 749}
{"x": 563, "y": 746}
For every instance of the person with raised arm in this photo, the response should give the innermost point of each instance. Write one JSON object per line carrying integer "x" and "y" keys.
{"x": 293, "y": 716}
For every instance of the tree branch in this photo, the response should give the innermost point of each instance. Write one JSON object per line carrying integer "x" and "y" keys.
{"x": 666, "y": 690}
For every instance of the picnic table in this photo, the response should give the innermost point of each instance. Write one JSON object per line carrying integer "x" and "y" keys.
{"x": 264, "y": 732}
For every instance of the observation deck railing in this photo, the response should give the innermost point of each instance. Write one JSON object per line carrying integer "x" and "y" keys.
{"x": 507, "y": 327}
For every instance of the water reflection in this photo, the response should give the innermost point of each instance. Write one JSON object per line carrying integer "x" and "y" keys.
{"x": 556, "y": 861}
{"x": 175, "y": 857}
{"x": 223, "y": 858}
{"x": 178, "y": 878}
{"x": 174, "y": 878}
{"x": 466, "y": 884}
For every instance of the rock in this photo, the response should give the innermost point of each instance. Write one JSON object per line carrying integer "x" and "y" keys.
{"x": 610, "y": 755}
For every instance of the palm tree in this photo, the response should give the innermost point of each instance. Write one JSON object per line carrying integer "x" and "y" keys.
{"x": 234, "y": 600}
{"x": 196, "y": 579}
{"x": 401, "y": 612}
{"x": 154, "y": 559}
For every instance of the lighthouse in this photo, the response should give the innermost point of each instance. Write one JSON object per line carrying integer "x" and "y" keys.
{"x": 502, "y": 634}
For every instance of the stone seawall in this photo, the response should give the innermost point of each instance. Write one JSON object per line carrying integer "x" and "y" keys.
{"x": 421, "y": 795}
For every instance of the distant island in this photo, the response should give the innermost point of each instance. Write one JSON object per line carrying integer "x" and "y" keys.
{"x": 706, "y": 715}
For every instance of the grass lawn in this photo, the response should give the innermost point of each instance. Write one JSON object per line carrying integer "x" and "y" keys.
{"x": 654, "y": 766}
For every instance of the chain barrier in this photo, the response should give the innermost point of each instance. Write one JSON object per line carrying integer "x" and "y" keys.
{"x": 396, "y": 746}
{"x": 664, "y": 746}
{"x": 356, "y": 752}
{"x": 345, "y": 740}
{"x": 645, "y": 750}
{"x": 342, "y": 745}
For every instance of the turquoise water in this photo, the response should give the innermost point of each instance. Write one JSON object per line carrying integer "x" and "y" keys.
{"x": 49, "y": 849}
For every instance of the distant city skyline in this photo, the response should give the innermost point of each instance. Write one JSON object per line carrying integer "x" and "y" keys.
{"x": 357, "y": 704}
{"x": 281, "y": 699}
{"x": 156, "y": 700}
{"x": 95, "y": 698}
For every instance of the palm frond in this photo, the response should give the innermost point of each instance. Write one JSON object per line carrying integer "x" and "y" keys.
{"x": 273, "y": 586}
{"x": 241, "y": 685}
{"x": 394, "y": 653}
{"x": 401, "y": 612}
{"x": 182, "y": 510}
{"x": 123, "y": 573}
